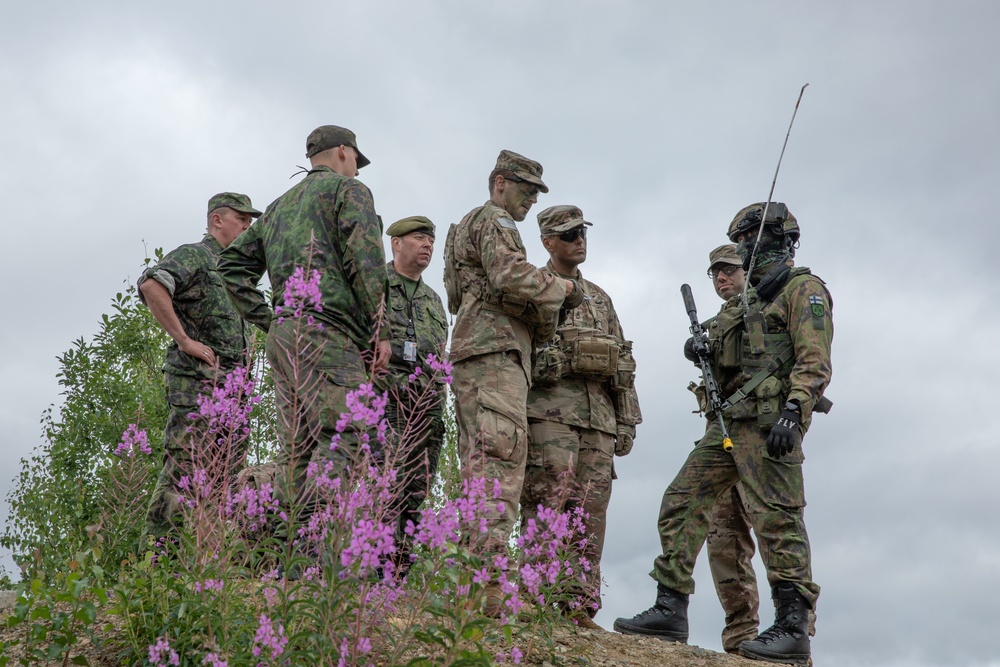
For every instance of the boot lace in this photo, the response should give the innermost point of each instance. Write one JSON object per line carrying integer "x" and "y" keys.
{"x": 773, "y": 634}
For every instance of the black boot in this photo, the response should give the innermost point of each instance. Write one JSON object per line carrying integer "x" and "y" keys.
{"x": 787, "y": 641}
{"x": 667, "y": 619}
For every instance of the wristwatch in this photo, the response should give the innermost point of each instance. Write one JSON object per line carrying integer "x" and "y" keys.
{"x": 792, "y": 405}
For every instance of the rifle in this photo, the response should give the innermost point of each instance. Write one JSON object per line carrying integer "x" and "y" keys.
{"x": 705, "y": 364}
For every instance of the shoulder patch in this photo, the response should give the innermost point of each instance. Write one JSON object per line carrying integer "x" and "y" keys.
{"x": 816, "y": 304}
{"x": 507, "y": 223}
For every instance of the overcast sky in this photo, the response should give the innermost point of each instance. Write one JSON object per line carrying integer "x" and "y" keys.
{"x": 660, "y": 120}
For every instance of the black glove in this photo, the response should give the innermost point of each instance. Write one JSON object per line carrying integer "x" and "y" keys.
{"x": 693, "y": 348}
{"x": 785, "y": 434}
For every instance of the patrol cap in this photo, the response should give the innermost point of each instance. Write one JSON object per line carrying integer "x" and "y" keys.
{"x": 235, "y": 201}
{"x": 724, "y": 254}
{"x": 559, "y": 219}
{"x": 325, "y": 137}
{"x": 414, "y": 223}
{"x": 527, "y": 170}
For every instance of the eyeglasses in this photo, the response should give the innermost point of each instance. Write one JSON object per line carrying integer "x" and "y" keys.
{"x": 573, "y": 234}
{"x": 728, "y": 269}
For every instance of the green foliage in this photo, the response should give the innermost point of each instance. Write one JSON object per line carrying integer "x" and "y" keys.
{"x": 56, "y": 613}
{"x": 107, "y": 384}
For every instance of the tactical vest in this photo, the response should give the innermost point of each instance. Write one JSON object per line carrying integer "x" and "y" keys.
{"x": 744, "y": 351}
{"x": 461, "y": 278}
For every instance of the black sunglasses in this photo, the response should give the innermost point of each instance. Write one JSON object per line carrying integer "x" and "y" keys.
{"x": 573, "y": 234}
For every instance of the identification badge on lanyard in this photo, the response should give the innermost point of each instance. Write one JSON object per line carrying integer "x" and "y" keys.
{"x": 409, "y": 350}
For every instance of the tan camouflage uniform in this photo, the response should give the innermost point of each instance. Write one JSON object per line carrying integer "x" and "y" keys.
{"x": 504, "y": 300}
{"x": 573, "y": 423}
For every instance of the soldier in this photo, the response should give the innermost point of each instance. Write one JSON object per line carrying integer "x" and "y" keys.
{"x": 326, "y": 223}
{"x": 502, "y": 303}
{"x": 185, "y": 294}
{"x": 730, "y": 542}
{"x": 415, "y": 410}
{"x": 772, "y": 355}
{"x": 581, "y": 410}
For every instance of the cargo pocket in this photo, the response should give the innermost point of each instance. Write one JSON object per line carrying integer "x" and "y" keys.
{"x": 502, "y": 427}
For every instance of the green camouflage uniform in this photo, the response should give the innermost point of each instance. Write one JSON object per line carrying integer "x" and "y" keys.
{"x": 415, "y": 409}
{"x": 327, "y": 223}
{"x": 730, "y": 552}
{"x": 799, "y": 318}
{"x": 491, "y": 350}
{"x": 573, "y": 422}
{"x": 191, "y": 277}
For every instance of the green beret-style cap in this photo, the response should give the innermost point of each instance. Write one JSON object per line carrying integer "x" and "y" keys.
{"x": 414, "y": 223}
{"x": 325, "y": 137}
{"x": 559, "y": 219}
{"x": 235, "y": 201}
{"x": 525, "y": 169}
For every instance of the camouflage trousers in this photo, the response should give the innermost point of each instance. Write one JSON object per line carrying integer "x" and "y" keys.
{"x": 774, "y": 493}
{"x": 313, "y": 369}
{"x": 730, "y": 552}
{"x": 186, "y": 448}
{"x": 572, "y": 467}
{"x": 491, "y": 394}
{"x": 412, "y": 448}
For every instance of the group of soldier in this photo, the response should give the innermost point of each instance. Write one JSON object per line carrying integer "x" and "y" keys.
{"x": 543, "y": 377}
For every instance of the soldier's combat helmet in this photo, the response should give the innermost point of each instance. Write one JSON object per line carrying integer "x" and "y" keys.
{"x": 779, "y": 220}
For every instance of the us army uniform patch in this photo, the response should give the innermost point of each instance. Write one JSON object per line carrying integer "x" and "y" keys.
{"x": 507, "y": 223}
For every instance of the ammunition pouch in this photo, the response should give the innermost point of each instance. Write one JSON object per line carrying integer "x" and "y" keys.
{"x": 624, "y": 377}
{"x": 627, "y": 410}
{"x": 770, "y": 396}
{"x": 591, "y": 354}
{"x": 550, "y": 364}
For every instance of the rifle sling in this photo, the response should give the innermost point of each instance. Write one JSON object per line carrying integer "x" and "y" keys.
{"x": 759, "y": 377}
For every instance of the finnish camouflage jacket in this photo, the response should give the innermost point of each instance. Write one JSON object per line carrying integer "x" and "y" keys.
{"x": 577, "y": 400}
{"x": 191, "y": 276}
{"x": 800, "y": 314}
{"x": 425, "y": 313}
{"x": 488, "y": 247}
{"x": 327, "y": 222}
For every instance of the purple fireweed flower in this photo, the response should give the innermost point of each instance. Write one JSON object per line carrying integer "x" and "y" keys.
{"x": 255, "y": 504}
{"x": 213, "y": 660}
{"x": 208, "y": 585}
{"x": 133, "y": 439}
{"x": 161, "y": 655}
{"x": 370, "y": 543}
{"x": 269, "y": 638}
{"x": 227, "y": 410}
{"x": 441, "y": 367}
{"x": 301, "y": 294}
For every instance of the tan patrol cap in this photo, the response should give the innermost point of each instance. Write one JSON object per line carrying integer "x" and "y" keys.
{"x": 724, "y": 254}
{"x": 523, "y": 168}
{"x": 559, "y": 219}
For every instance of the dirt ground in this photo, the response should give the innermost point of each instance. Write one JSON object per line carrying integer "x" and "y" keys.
{"x": 573, "y": 646}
